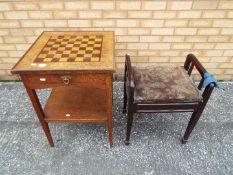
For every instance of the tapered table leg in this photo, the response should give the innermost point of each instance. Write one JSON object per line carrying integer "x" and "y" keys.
{"x": 109, "y": 107}
{"x": 39, "y": 111}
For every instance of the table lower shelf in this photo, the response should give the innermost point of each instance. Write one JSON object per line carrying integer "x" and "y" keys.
{"x": 73, "y": 104}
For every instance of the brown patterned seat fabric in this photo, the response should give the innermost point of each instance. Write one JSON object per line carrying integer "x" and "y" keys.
{"x": 164, "y": 83}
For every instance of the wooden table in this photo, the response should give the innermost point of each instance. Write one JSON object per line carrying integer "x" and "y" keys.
{"x": 78, "y": 66}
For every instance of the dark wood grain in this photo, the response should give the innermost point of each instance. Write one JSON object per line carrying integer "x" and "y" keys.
{"x": 132, "y": 106}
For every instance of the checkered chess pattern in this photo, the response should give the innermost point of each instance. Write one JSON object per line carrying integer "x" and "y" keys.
{"x": 67, "y": 48}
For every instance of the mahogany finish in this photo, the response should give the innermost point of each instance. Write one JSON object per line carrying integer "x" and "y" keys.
{"x": 81, "y": 90}
{"x": 72, "y": 104}
{"x": 131, "y": 106}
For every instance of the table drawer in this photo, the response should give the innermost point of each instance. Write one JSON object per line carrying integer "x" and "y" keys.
{"x": 55, "y": 80}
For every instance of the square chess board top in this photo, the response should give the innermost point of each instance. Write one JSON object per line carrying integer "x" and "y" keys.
{"x": 71, "y": 48}
{"x": 69, "y": 51}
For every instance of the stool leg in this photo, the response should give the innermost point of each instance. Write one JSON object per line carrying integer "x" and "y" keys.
{"x": 125, "y": 95}
{"x": 125, "y": 100}
{"x": 129, "y": 126}
{"x": 193, "y": 121}
{"x": 197, "y": 114}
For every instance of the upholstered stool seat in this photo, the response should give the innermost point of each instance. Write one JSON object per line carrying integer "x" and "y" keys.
{"x": 162, "y": 89}
{"x": 164, "y": 83}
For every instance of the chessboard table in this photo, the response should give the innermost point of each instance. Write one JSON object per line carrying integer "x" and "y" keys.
{"x": 78, "y": 67}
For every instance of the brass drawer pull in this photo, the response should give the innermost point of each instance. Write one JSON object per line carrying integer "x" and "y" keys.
{"x": 66, "y": 79}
